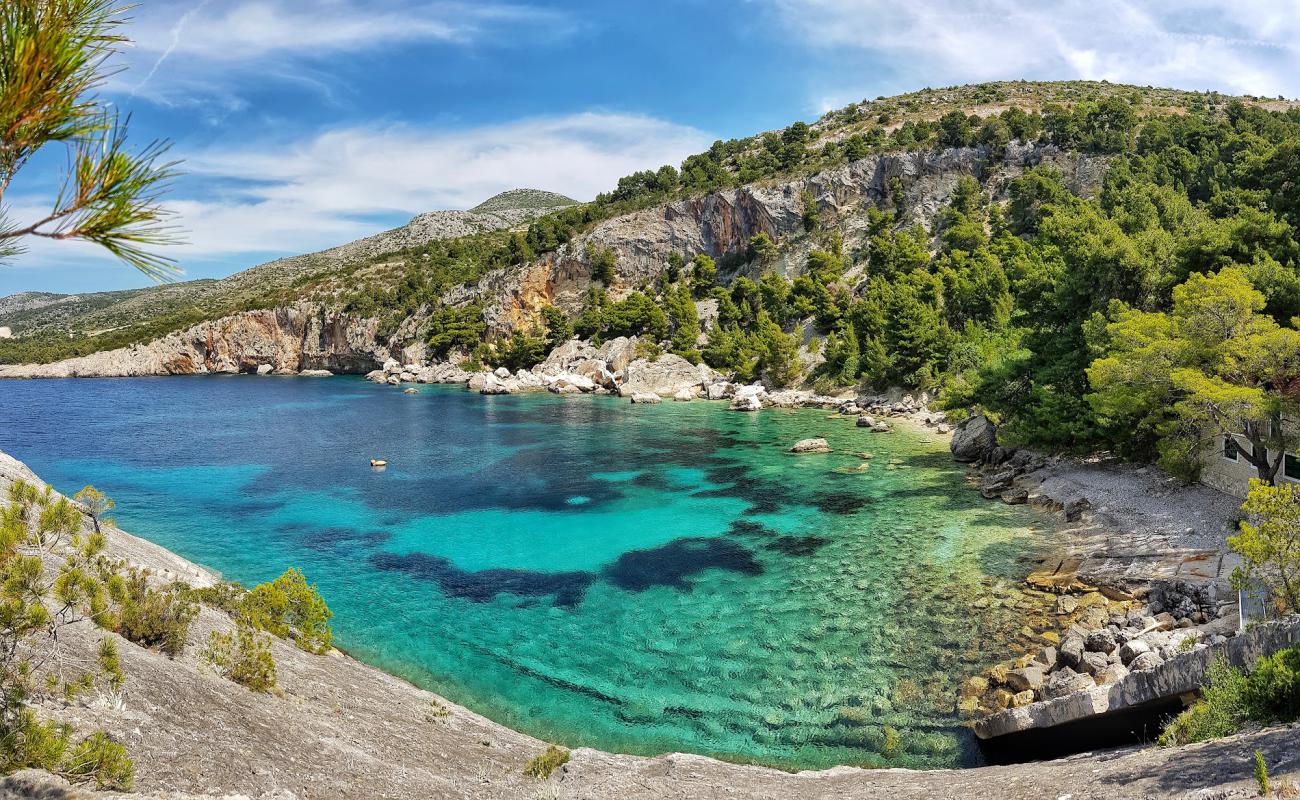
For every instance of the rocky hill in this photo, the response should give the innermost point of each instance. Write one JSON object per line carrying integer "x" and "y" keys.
{"x": 139, "y": 315}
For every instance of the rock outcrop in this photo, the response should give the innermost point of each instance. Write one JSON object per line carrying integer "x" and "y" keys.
{"x": 287, "y": 340}
{"x": 974, "y": 439}
{"x": 665, "y": 376}
{"x": 720, "y": 223}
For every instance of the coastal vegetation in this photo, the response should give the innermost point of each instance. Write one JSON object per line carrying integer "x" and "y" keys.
{"x": 53, "y": 576}
{"x": 542, "y": 766}
{"x": 1269, "y": 544}
{"x": 38, "y": 530}
{"x": 1268, "y": 693}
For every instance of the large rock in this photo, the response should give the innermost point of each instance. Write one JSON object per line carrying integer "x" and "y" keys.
{"x": 1065, "y": 681}
{"x": 1132, "y": 649}
{"x": 617, "y": 353}
{"x": 569, "y": 383}
{"x": 974, "y": 439}
{"x": 495, "y": 384}
{"x": 665, "y": 376}
{"x": 646, "y": 398}
{"x": 817, "y": 445}
{"x": 265, "y": 369}
{"x": 719, "y": 390}
{"x": 1025, "y": 679}
{"x": 565, "y": 357}
{"x": 749, "y": 398}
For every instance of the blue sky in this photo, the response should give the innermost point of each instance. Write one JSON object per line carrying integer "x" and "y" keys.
{"x": 307, "y": 123}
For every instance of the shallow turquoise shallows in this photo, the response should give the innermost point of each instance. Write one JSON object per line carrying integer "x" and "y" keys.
{"x": 634, "y": 578}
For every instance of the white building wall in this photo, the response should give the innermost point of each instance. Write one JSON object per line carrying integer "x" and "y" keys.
{"x": 1233, "y": 477}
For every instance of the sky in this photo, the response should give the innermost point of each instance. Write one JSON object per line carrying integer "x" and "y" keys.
{"x": 303, "y": 124}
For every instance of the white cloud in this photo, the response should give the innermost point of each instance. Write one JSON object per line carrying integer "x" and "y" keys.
{"x": 189, "y": 48}
{"x": 328, "y": 189}
{"x": 1245, "y": 46}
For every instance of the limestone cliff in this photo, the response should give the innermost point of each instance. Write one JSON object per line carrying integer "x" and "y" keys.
{"x": 720, "y": 223}
{"x": 288, "y": 339}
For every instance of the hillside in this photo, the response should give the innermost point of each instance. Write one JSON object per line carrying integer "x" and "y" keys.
{"x": 82, "y": 323}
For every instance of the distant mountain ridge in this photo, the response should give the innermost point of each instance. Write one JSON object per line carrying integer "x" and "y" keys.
{"x": 97, "y": 312}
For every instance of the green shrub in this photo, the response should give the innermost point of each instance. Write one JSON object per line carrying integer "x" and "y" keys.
{"x": 893, "y": 742}
{"x": 223, "y": 595}
{"x": 1220, "y": 711}
{"x": 152, "y": 617}
{"x": 100, "y": 759}
{"x": 29, "y": 742}
{"x": 1261, "y": 774}
{"x": 1273, "y": 687}
{"x": 290, "y": 608}
{"x": 243, "y": 656}
{"x": 546, "y": 763}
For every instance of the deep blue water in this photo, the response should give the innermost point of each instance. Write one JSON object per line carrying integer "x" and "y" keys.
{"x": 635, "y": 578}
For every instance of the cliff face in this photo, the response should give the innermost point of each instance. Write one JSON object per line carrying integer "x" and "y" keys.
{"x": 917, "y": 185}
{"x": 289, "y": 339}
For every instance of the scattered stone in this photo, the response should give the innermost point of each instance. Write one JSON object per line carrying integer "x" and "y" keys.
{"x": 318, "y": 373}
{"x": 974, "y": 687}
{"x": 1113, "y": 673}
{"x": 1101, "y": 641}
{"x": 1022, "y": 699}
{"x": 1072, "y": 651}
{"x": 817, "y": 445}
{"x": 1015, "y": 497}
{"x": 1047, "y": 657}
{"x": 1074, "y": 508}
{"x": 1025, "y": 678}
{"x": 1065, "y": 681}
{"x": 1066, "y": 604}
{"x": 1132, "y": 649}
{"x": 411, "y": 390}
{"x": 1145, "y": 661}
{"x": 1093, "y": 663}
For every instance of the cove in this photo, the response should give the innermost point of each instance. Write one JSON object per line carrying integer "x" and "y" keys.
{"x": 634, "y": 578}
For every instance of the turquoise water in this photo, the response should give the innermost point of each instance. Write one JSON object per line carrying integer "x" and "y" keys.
{"x": 634, "y": 578}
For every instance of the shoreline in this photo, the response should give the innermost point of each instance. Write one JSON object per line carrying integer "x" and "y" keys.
{"x": 586, "y": 760}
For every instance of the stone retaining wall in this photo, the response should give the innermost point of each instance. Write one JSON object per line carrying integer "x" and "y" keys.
{"x": 1175, "y": 677}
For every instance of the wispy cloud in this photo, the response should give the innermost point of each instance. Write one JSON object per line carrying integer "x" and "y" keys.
{"x": 197, "y": 48}
{"x": 1246, "y": 46}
